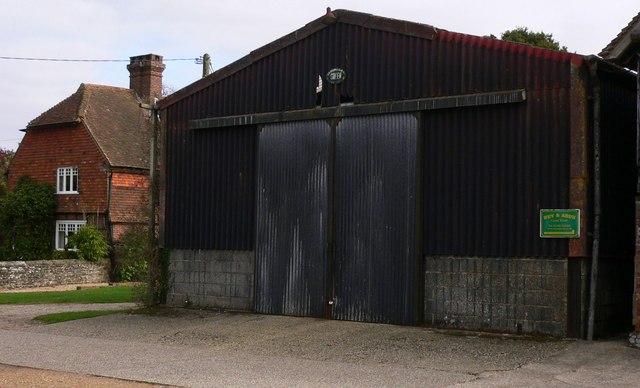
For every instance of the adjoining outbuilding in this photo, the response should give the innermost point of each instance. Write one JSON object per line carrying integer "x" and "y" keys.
{"x": 624, "y": 50}
{"x": 371, "y": 169}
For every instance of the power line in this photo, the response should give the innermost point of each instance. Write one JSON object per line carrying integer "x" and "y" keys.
{"x": 88, "y": 60}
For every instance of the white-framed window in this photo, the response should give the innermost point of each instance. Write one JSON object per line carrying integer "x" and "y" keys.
{"x": 67, "y": 180}
{"x": 64, "y": 229}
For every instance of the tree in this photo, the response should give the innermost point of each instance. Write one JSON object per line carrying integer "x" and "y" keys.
{"x": 167, "y": 90}
{"x": 538, "y": 39}
{"x": 5, "y": 159}
{"x": 27, "y": 216}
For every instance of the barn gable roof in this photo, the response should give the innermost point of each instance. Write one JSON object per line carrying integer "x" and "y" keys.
{"x": 364, "y": 20}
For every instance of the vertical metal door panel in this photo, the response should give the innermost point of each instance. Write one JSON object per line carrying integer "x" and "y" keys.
{"x": 375, "y": 205}
{"x": 210, "y": 189}
{"x": 292, "y": 218}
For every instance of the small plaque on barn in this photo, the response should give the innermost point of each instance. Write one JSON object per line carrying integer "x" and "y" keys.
{"x": 336, "y": 76}
{"x": 560, "y": 223}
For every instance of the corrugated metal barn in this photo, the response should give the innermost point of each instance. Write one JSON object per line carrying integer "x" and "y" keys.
{"x": 370, "y": 169}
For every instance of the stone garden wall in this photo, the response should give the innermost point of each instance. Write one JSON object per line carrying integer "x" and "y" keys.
{"x": 45, "y": 273}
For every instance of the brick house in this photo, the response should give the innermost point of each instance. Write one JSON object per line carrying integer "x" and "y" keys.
{"x": 94, "y": 148}
{"x": 624, "y": 50}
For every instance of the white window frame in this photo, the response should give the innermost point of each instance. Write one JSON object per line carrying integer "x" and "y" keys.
{"x": 67, "y": 180}
{"x": 66, "y": 227}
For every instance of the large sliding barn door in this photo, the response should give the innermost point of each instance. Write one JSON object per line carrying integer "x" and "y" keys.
{"x": 369, "y": 268}
{"x": 376, "y": 268}
{"x": 291, "y": 257}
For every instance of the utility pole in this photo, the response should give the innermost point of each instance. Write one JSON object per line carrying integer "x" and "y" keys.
{"x": 154, "y": 266}
{"x": 206, "y": 65}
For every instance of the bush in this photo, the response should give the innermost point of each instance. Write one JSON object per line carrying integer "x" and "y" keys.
{"x": 132, "y": 253}
{"x": 90, "y": 244}
{"x": 64, "y": 255}
{"x": 133, "y": 272}
{"x": 27, "y": 216}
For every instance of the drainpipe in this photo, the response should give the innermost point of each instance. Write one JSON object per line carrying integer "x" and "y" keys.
{"x": 596, "y": 200}
{"x": 107, "y": 220}
{"x": 636, "y": 295}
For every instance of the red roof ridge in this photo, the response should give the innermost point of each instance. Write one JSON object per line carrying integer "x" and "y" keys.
{"x": 98, "y": 86}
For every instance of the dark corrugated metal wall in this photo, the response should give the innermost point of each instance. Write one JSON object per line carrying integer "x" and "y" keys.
{"x": 488, "y": 171}
{"x": 382, "y": 66}
{"x": 385, "y": 66}
{"x": 375, "y": 219}
{"x": 210, "y": 189}
{"x": 292, "y": 228}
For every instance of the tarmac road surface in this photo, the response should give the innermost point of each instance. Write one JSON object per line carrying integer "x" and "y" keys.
{"x": 204, "y": 349}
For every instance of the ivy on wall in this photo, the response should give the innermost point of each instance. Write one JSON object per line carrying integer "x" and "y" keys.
{"x": 27, "y": 219}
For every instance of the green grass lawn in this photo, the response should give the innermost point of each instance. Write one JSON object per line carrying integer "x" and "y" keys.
{"x": 113, "y": 294}
{"x": 73, "y": 315}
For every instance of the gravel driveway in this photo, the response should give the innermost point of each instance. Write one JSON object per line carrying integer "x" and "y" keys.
{"x": 316, "y": 339}
{"x": 205, "y": 348}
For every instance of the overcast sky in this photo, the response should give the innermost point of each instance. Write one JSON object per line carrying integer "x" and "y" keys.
{"x": 228, "y": 30}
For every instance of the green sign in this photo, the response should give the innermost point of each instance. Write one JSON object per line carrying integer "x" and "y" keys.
{"x": 560, "y": 223}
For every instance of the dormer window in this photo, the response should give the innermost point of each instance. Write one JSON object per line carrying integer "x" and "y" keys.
{"x": 68, "y": 180}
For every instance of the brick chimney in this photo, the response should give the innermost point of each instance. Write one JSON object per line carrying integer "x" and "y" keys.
{"x": 145, "y": 76}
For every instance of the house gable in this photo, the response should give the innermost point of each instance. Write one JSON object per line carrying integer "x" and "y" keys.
{"x": 114, "y": 119}
{"x": 96, "y": 129}
{"x": 44, "y": 150}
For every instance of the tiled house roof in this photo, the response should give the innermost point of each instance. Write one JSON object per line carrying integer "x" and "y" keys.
{"x": 118, "y": 125}
{"x": 615, "y": 50}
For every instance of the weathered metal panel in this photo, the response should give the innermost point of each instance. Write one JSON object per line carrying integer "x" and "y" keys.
{"x": 375, "y": 222}
{"x": 209, "y": 192}
{"x": 292, "y": 227}
{"x": 487, "y": 173}
{"x": 380, "y": 65}
{"x": 404, "y": 106}
{"x": 579, "y": 187}
{"x": 527, "y": 163}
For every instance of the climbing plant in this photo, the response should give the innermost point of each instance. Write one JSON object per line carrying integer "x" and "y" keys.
{"x": 27, "y": 216}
